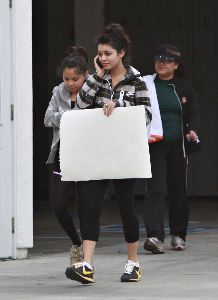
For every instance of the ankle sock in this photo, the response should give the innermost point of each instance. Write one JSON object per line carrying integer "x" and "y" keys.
{"x": 135, "y": 263}
{"x": 88, "y": 265}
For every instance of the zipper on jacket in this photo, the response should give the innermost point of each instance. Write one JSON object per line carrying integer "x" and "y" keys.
{"x": 183, "y": 142}
{"x": 111, "y": 89}
{"x": 119, "y": 83}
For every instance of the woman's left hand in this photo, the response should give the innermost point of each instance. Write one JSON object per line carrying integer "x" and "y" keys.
{"x": 108, "y": 108}
{"x": 192, "y": 136}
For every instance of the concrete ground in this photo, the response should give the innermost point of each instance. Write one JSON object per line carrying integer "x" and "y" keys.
{"x": 191, "y": 274}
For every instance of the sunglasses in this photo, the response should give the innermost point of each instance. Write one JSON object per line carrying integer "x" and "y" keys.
{"x": 165, "y": 60}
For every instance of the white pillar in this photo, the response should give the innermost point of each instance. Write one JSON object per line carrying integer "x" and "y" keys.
{"x": 5, "y": 135}
{"x": 22, "y": 130}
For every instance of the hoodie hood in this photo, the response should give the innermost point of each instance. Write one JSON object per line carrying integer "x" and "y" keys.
{"x": 132, "y": 71}
{"x": 131, "y": 74}
{"x": 63, "y": 92}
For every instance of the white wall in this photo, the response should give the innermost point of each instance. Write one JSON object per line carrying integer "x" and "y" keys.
{"x": 22, "y": 130}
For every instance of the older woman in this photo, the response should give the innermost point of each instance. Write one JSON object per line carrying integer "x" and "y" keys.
{"x": 175, "y": 121}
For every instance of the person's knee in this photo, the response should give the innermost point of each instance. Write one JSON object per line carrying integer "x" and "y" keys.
{"x": 91, "y": 212}
{"x": 152, "y": 196}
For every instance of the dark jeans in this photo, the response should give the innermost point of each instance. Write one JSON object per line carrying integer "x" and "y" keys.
{"x": 91, "y": 199}
{"x": 168, "y": 167}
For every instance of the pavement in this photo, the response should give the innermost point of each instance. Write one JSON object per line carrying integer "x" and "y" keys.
{"x": 189, "y": 274}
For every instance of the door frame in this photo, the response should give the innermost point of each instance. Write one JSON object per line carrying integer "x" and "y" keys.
{"x": 16, "y": 97}
{"x": 6, "y": 199}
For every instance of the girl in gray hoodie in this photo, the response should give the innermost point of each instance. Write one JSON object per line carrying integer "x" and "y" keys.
{"x": 74, "y": 72}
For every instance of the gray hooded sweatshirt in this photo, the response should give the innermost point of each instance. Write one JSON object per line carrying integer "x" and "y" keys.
{"x": 60, "y": 102}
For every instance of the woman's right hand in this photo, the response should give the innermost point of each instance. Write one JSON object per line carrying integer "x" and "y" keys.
{"x": 100, "y": 71}
{"x": 192, "y": 136}
{"x": 108, "y": 108}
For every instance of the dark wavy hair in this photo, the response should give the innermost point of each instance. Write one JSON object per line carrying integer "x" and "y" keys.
{"x": 115, "y": 36}
{"x": 75, "y": 57}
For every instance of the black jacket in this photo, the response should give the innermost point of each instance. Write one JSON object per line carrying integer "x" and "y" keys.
{"x": 189, "y": 103}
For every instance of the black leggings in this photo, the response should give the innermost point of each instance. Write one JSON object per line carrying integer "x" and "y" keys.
{"x": 61, "y": 190}
{"x": 90, "y": 200}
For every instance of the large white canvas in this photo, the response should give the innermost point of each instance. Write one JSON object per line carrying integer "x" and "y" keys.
{"x": 94, "y": 146}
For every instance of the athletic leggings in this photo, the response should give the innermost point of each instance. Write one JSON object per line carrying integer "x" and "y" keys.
{"x": 90, "y": 199}
{"x": 60, "y": 201}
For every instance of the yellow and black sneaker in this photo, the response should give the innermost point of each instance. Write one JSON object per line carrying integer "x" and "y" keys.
{"x": 80, "y": 272}
{"x": 132, "y": 272}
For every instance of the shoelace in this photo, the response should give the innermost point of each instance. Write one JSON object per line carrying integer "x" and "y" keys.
{"x": 129, "y": 268}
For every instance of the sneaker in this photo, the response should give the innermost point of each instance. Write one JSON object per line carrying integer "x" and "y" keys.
{"x": 154, "y": 245}
{"x": 76, "y": 254}
{"x": 80, "y": 272}
{"x": 132, "y": 272}
{"x": 177, "y": 243}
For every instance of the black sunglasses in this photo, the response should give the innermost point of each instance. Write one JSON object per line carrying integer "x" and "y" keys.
{"x": 165, "y": 61}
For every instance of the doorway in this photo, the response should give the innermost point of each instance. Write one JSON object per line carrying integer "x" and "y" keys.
{"x": 53, "y": 32}
{"x": 190, "y": 24}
